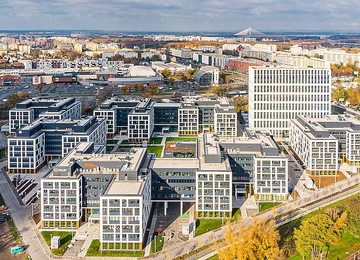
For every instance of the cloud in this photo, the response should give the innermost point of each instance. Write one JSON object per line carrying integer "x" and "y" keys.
{"x": 180, "y": 15}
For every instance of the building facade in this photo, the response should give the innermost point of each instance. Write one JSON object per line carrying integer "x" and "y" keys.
{"x": 28, "y": 111}
{"x": 279, "y": 94}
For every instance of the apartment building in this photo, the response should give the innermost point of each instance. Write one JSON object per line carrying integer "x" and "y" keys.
{"x": 28, "y": 111}
{"x": 279, "y": 94}
{"x": 47, "y": 140}
{"x": 324, "y": 144}
{"x": 121, "y": 205}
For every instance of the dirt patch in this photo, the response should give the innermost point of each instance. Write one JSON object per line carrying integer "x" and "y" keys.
{"x": 324, "y": 181}
{"x": 6, "y": 242}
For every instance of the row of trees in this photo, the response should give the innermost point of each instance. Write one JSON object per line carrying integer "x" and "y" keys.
{"x": 347, "y": 70}
{"x": 351, "y": 95}
{"x": 145, "y": 91}
{"x": 258, "y": 241}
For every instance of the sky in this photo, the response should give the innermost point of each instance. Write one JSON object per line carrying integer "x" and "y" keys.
{"x": 181, "y": 15}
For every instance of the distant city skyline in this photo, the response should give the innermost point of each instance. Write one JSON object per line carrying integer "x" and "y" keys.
{"x": 180, "y": 15}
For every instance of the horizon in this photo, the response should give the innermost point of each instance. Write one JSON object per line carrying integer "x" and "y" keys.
{"x": 181, "y": 16}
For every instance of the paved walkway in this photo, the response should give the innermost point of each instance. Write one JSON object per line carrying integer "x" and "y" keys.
{"x": 20, "y": 215}
{"x": 92, "y": 232}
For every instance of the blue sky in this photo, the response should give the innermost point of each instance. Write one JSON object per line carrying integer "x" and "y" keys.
{"x": 181, "y": 15}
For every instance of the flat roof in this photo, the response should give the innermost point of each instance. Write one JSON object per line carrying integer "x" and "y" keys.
{"x": 175, "y": 163}
{"x": 125, "y": 188}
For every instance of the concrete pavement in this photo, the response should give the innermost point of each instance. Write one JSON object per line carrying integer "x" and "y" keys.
{"x": 20, "y": 215}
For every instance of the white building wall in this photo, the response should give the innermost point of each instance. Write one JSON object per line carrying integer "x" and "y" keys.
{"x": 277, "y": 95}
{"x": 61, "y": 200}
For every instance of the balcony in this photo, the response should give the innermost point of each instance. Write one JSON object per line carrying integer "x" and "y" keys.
{"x": 127, "y": 231}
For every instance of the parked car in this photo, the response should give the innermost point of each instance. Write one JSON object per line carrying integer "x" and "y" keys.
{"x": 3, "y": 220}
{"x": 16, "y": 249}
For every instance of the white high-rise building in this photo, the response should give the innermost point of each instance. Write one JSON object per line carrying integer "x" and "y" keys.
{"x": 279, "y": 94}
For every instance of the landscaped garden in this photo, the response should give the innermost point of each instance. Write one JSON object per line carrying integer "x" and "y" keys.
{"x": 65, "y": 239}
{"x": 94, "y": 250}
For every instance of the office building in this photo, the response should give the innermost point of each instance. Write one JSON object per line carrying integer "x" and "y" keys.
{"x": 224, "y": 167}
{"x": 197, "y": 114}
{"x": 131, "y": 117}
{"x": 141, "y": 121}
{"x": 28, "y": 111}
{"x": 138, "y": 118}
{"x": 279, "y": 94}
{"x": 47, "y": 140}
{"x": 325, "y": 144}
{"x": 112, "y": 189}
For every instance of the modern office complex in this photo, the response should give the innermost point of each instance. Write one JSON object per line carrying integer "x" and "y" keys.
{"x": 279, "y": 94}
{"x": 47, "y": 140}
{"x": 138, "y": 118}
{"x": 29, "y": 110}
{"x": 197, "y": 114}
{"x": 324, "y": 144}
{"x": 225, "y": 167}
{"x": 115, "y": 111}
{"x": 112, "y": 189}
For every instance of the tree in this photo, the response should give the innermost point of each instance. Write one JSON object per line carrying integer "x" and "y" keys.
{"x": 353, "y": 96}
{"x": 171, "y": 80}
{"x": 339, "y": 93}
{"x": 221, "y": 90}
{"x": 314, "y": 234}
{"x": 227, "y": 79}
{"x": 39, "y": 88}
{"x": 125, "y": 90}
{"x": 258, "y": 241}
{"x": 15, "y": 98}
{"x": 240, "y": 103}
{"x": 353, "y": 218}
{"x": 165, "y": 72}
{"x": 102, "y": 95}
{"x": 153, "y": 89}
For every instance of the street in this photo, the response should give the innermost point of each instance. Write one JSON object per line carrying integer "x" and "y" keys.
{"x": 20, "y": 215}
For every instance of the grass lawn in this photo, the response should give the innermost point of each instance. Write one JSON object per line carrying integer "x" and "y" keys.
{"x": 338, "y": 250}
{"x": 94, "y": 251}
{"x": 112, "y": 141}
{"x": 159, "y": 244}
{"x": 109, "y": 149}
{"x": 2, "y": 153}
{"x": 267, "y": 205}
{"x": 124, "y": 142}
{"x": 287, "y": 231}
{"x": 155, "y": 149}
{"x": 156, "y": 140}
{"x": 65, "y": 239}
{"x": 205, "y": 225}
{"x": 186, "y": 139}
{"x": 214, "y": 257}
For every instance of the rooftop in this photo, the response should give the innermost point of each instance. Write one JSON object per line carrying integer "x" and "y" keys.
{"x": 126, "y": 188}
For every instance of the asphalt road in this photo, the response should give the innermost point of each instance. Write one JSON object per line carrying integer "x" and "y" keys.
{"x": 20, "y": 215}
